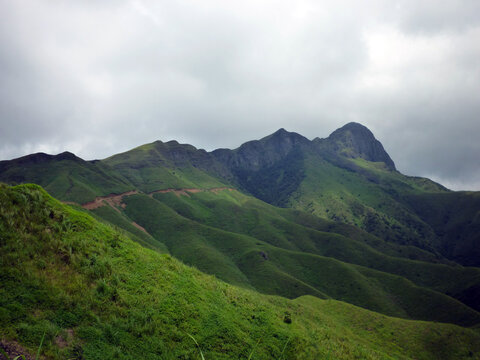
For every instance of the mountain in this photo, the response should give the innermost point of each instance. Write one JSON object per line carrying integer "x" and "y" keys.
{"x": 356, "y": 141}
{"x": 258, "y": 154}
{"x": 161, "y": 165}
{"x": 74, "y": 288}
{"x": 349, "y": 177}
{"x": 65, "y": 175}
{"x": 270, "y": 168}
{"x": 287, "y": 216}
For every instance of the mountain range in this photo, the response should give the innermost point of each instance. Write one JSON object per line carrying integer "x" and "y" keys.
{"x": 284, "y": 215}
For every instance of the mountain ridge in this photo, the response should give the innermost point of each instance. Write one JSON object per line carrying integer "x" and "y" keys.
{"x": 347, "y": 177}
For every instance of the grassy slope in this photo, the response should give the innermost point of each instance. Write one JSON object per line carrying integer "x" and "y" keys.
{"x": 66, "y": 275}
{"x": 366, "y": 201}
{"x": 355, "y": 191}
{"x": 160, "y": 165}
{"x": 357, "y": 198}
{"x": 387, "y": 204}
{"x": 454, "y": 215}
{"x": 414, "y": 208}
{"x": 247, "y": 246}
{"x": 66, "y": 177}
{"x": 235, "y": 212}
{"x": 122, "y": 222}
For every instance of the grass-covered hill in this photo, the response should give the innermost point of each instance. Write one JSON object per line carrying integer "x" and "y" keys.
{"x": 455, "y": 219}
{"x": 161, "y": 165}
{"x": 249, "y": 243}
{"x": 90, "y": 292}
{"x": 347, "y": 177}
{"x": 352, "y": 227}
{"x": 148, "y": 168}
{"x": 65, "y": 175}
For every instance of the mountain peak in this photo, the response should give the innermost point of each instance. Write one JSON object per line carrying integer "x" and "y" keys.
{"x": 355, "y": 140}
{"x": 355, "y": 129}
{"x": 281, "y": 131}
{"x": 284, "y": 135}
{"x": 67, "y": 155}
{"x": 257, "y": 154}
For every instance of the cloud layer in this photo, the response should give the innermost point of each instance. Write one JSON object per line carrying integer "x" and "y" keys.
{"x": 97, "y": 78}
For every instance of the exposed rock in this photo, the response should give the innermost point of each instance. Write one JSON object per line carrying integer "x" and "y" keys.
{"x": 257, "y": 154}
{"x": 356, "y": 141}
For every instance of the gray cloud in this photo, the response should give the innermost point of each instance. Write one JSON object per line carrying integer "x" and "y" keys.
{"x": 100, "y": 78}
{"x": 430, "y": 16}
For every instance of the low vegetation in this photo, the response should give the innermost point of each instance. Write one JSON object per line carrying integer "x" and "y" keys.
{"x": 249, "y": 243}
{"x": 92, "y": 293}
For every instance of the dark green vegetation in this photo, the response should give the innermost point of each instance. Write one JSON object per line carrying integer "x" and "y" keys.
{"x": 347, "y": 178}
{"x": 330, "y": 218}
{"x": 96, "y": 294}
{"x": 455, "y": 218}
{"x": 65, "y": 176}
{"x": 168, "y": 165}
{"x": 279, "y": 251}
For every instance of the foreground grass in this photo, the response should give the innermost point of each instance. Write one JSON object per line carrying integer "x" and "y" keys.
{"x": 96, "y": 294}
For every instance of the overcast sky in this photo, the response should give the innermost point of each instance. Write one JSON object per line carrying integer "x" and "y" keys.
{"x": 101, "y": 77}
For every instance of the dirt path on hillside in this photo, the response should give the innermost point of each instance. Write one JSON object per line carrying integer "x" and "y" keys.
{"x": 140, "y": 227}
{"x": 116, "y": 200}
{"x": 187, "y": 192}
{"x": 113, "y": 200}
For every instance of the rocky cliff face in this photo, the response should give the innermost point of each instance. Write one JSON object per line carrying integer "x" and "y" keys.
{"x": 258, "y": 154}
{"x": 356, "y": 141}
{"x": 350, "y": 141}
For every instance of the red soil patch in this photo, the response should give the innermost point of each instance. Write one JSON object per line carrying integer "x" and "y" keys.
{"x": 64, "y": 341}
{"x": 139, "y": 227}
{"x": 187, "y": 192}
{"x": 113, "y": 200}
{"x": 13, "y": 349}
{"x": 217, "y": 190}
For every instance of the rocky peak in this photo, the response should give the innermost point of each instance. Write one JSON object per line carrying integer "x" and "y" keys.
{"x": 254, "y": 155}
{"x": 357, "y": 141}
{"x": 67, "y": 155}
{"x": 283, "y": 139}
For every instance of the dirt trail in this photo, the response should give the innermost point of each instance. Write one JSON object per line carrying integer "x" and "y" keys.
{"x": 116, "y": 200}
{"x": 139, "y": 227}
{"x": 186, "y": 192}
{"x": 113, "y": 200}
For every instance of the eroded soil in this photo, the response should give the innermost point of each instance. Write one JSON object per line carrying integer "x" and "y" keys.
{"x": 13, "y": 349}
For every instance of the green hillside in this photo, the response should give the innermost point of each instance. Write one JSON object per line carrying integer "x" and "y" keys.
{"x": 349, "y": 227}
{"x": 65, "y": 176}
{"x": 455, "y": 219}
{"x": 92, "y": 293}
{"x": 347, "y": 178}
{"x": 366, "y": 199}
{"x": 161, "y": 165}
{"x": 254, "y": 245}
